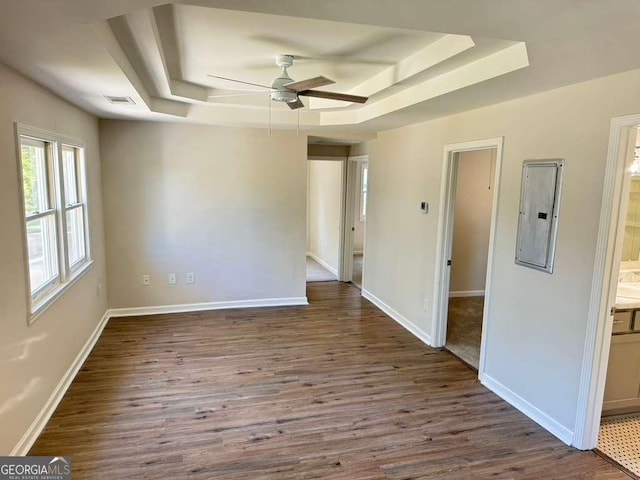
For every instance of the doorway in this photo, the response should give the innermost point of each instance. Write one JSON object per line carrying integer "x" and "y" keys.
{"x": 606, "y": 275}
{"x": 355, "y": 218}
{"x": 469, "y": 252}
{"x": 468, "y": 203}
{"x": 619, "y": 437}
{"x": 324, "y": 219}
{"x": 359, "y": 220}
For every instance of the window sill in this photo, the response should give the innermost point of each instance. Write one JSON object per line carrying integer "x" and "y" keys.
{"x": 42, "y": 304}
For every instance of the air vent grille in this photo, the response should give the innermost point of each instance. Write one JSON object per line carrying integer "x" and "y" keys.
{"x": 120, "y": 100}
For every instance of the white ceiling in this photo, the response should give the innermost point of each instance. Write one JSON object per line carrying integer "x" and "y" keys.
{"x": 416, "y": 59}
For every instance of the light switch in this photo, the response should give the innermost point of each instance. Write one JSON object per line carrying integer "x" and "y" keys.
{"x": 424, "y": 207}
{"x": 172, "y": 279}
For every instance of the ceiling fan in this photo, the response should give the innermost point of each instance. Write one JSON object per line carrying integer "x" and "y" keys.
{"x": 285, "y": 89}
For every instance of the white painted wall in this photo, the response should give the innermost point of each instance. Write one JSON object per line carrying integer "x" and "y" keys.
{"x": 227, "y": 204}
{"x": 536, "y": 332}
{"x": 33, "y": 359}
{"x": 472, "y": 220}
{"x": 324, "y": 200}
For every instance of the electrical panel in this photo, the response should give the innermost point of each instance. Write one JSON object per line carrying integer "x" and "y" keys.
{"x": 538, "y": 218}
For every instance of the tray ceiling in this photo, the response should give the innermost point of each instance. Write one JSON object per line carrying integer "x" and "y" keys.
{"x": 424, "y": 60}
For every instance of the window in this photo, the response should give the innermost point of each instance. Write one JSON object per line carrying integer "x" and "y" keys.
{"x": 73, "y": 207}
{"x": 55, "y": 213}
{"x": 364, "y": 176}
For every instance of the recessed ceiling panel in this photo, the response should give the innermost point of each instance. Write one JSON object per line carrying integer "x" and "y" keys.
{"x": 244, "y": 45}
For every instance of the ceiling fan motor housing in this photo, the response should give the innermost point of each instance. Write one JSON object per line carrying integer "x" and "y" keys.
{"x": 280, "y": 93}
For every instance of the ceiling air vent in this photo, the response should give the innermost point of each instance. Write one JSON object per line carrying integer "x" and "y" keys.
{"x": 120, "y": 100}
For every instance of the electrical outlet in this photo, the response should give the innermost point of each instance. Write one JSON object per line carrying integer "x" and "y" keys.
{"x": 146, "y": 280}
{"x": 191, "y": 277}
{"x": 172, "y": 279}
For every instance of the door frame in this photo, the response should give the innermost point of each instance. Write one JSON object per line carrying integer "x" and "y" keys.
{"x": 606, "y": 267}
{"x": 445, "y": 239}
{"x": 350, "y": 177}
{"x": 341, "y": 221}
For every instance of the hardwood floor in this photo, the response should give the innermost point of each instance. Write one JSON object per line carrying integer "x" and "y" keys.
{"x": 335, "y": 390}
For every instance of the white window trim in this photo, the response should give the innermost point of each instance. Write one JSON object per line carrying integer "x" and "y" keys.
{"x": 363, "y": 165}
{"x": 68, "y": 274}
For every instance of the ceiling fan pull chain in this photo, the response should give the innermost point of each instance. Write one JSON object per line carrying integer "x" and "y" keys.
{"x": 298, "y": 128}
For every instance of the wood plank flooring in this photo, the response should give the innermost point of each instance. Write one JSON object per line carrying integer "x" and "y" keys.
{"x": 335, "y": 390}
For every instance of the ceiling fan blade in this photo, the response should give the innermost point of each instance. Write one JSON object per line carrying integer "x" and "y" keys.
{"x": 238, "y": 81}
{"x": 309, "y": 83}
{"x": 297, "y": 104}
{"x": 345, "y": 97}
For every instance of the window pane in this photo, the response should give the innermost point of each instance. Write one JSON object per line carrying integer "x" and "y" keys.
{"x": 365, "y": 181}
{"x": 69, "y": 165}
{"x": 42, "y": 247}
{"x": 75, "y": 235}
{"x": 34, "y": 176}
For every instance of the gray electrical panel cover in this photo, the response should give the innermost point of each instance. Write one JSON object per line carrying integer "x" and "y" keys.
{"x": 539, "y": 206}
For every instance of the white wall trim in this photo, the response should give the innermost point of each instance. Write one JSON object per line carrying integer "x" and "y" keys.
{"x": 37, "y": 426}
{"x": 606, "y": 264}
{"x": 403, "y": 321}
{"x": 197, "y": 307}
{"x": 323, "y": 263}
{"x": 530, "y": 410}
{"x": 466, "y": 293}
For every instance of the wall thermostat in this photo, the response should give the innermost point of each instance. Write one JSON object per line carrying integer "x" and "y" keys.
{"x": 424, "y": 207}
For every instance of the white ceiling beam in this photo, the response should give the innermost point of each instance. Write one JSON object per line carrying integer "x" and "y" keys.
{"x": 166, "y": 44}
{"x": 442, "y": 49}
{"x": 499, "y": 63}
{"x": 109, "y": 38}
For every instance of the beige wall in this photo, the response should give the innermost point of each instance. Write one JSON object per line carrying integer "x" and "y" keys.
{"x": 534, "y": 347}
{"x": 361, "y": 148}
{"x": 472, "y": 220}
{"x": 324, "y": 200}
{"x": 34, "y": 358}
{"x": 227, "y": 204}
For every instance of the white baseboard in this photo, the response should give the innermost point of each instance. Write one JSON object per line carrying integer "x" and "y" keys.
{"x": 531, "y": 411}
{"x": 467, "y": 293}
{"x": 407, "y": 324}
{"x": 37, "y": 426}
{"x": 35, "y": 429}
{"x": 197, "y": 307}
{"x": 323, "y": 263}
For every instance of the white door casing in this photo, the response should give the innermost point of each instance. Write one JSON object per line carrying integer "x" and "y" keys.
{"x": 445, "y": 239}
